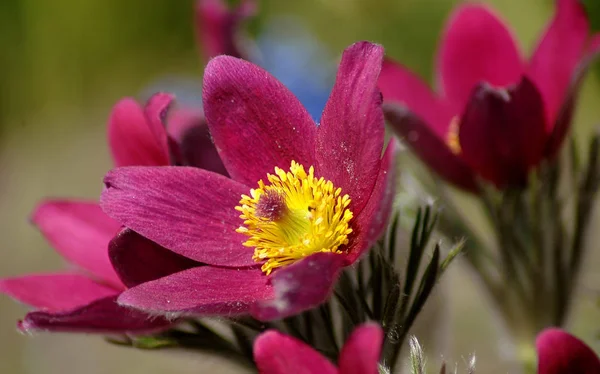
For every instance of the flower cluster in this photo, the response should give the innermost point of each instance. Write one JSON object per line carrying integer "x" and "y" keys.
{"x": 281, "y": 225}
{"x": 494, "y": 116}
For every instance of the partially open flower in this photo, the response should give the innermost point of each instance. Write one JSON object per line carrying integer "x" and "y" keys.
{"x": 495, "y": 115}
{"x": 276, "y": 353}
{"x": 302, "y": 201}
{"x": 83, "y": 299}
{"x": 561, "y": 353}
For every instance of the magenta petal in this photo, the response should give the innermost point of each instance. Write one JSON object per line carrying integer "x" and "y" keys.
{"x": 201, "y": 291}
{"x": 429, "y": 147}
{"x": 373, "y": 219}
{"x": 80, "y": 232}
{"x": 256, "y": 122}
{"x": 563, "y": 120}
{"x": 276, "y": 353}
{"x": 300, "y": 286}
{"x": 559, "y": 52}
{"x": 138, "y": 260}
{"x": 399, "y": 85}
{"x": 561, "y": 353}
{"x": 155, "y": 111}
{"x": 361, "y": 352}
{"x": 190, "y": 131}
{"x": 101, "y": 316}
{"x": 217, "y": 26}
{"x": 476, "y": 47}
{"x": 350, "y": 136}
{"x": 55, "y": 291}
{"x": 136, "y": 136}
{"x": 502, "y": 133}
{"x": 187, "y": 210}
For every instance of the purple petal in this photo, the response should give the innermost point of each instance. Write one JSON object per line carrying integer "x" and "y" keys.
{"x": 55, "y": 292}
{"x": 502, "y": 133}
{"x": 190, "y": 131}
{"x": 373, "y": 219}
{"x": 430, "y": 148}
{"x": 399, "y": 85}
{"x": 561, "y": 353}
{"x": 136, "y": 136}
{"x": 187, "y": 210}
{"x": 201, "y": 291}
{"x": 217, "y": 26}
{"x": 360, "y": 354}
{"x": 276, "y": 353}
{"x": 565, "y": 115}
{"x": 350, "y": 136}
{"x": 256, "y": 122}
{"x": 557, "y": 55}
{"x": 476, "y": 47}
{"x": 103, "y": 316}
{"x": 138, "y": 260}
{"x": 80, "y": 232}
{"x": 300, "y": 286}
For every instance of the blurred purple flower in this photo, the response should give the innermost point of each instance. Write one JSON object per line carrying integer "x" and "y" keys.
{"x": 218, "y": 27}
{"x": 561, "y": 353}
{"x": 304, "y": 226}
{"x": 495, "y": 115}
{"x": 83, "y": 299}
{"x": 276, "y": 353}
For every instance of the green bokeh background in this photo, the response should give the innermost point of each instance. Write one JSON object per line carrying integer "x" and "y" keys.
{"x": 65, "y": 62}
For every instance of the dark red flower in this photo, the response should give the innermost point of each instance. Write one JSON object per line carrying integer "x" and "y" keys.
{"x": 495, "y": 115}
{"x": 561, "y": 353}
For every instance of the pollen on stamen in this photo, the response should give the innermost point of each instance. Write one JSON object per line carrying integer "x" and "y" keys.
{"x": 294, "y": 216}
{"x": 452, "y": 139}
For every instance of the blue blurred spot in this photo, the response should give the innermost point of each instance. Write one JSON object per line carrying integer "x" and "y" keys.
{"x": 294, "y": 56}
{"x": 287, "y": 50}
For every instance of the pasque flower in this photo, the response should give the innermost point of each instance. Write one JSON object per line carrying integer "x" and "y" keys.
{"x": 276, "y": 353}
{"x": 494, "y": 115}
{"x": 302, "y": 201}
{"x": 84, "y": 297}
{"x": 561, "y": 353}
{"x": 217, "y": 27}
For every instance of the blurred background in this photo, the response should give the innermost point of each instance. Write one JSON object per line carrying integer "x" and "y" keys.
{"x": 64, "y": 63}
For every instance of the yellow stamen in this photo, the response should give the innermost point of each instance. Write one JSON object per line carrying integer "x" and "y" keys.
{"x": 294, "y": 216}
{"x": 452, "y": 139}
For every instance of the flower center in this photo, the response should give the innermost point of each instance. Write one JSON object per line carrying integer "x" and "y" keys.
{"x": 294, "y": 216}
{"x": 452, "y": 139}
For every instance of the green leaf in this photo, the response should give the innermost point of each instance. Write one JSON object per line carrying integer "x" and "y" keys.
{"x": 417, "y": 357}
{"x": 244, "y": 340}
{"x": 392, "y": 235}
{"x": 391, "y": 306}
{"x": 153, "y": 342}
{"x": 428, "y": 280}
{"x": 455, "y": 251}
